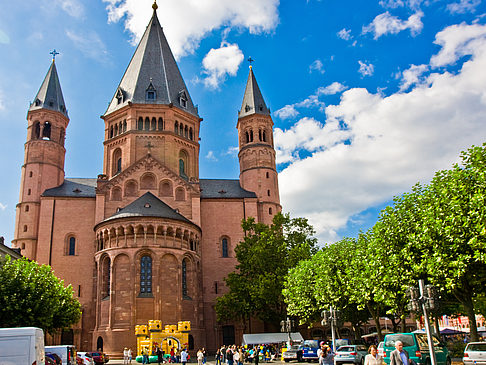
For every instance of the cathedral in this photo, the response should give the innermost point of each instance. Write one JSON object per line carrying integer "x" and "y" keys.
{"x": 147, "y": 238}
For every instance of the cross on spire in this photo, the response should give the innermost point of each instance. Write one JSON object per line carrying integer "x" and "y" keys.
{"x": 54, "y": 53}
{"x": 154, "y": 5}
{"x": 149, "y": 145}
{"x": 250, "y": 60}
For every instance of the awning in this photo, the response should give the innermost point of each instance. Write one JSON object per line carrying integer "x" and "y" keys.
{"x": 263, "y": 338}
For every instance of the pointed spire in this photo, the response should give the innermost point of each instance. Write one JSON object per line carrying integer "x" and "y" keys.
{"x": 49, "y": 95}
{"x": 253, "y": 102}
{"x": 152, "y": 64}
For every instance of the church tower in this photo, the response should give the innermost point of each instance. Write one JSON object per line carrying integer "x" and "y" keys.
{"x": 43, "y": 168}
{"x": 258, "y": 171}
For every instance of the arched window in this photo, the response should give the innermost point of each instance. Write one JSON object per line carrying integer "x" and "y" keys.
{"x": 117, "y": 161}
{"x": 186, "y": 132}
{"x": 131, "y": 188}
{"x": 260, "y": 135}
{"x": 181, "y": 129}
{"x": 146, "y": 275}
{"x": 120, "y": 128}
{"x": 25, "y": 228}
{"x": 224, "y": 247}
{"x": 176, "y": 127}
{"x": 147, "y": 181}
{"x": 36, "y": 130}
{"x": 247, "y": 137}
{"x": 116, "y": 130}
{"x": 264, "y": 136}
{"x": 267, "y": 175}
{"x": 46, "y": 132}
{"x": 153, "y": 125}
{"x": 72, "y": 246}
{"x": 180, "y": 194}
{"x": 116, "y": 193}
{"x": 111, "y": 132}
{"x": 124, "y": 125}
{"x": 140, "y": 124}
{"x": 165, "y": 188}
{"x": 184, "y": 278}
{"x": 270, "y": 211}
{"x": 147, "y": 124}
{"x": 183, "y": 164}
{"x": 190, "y": 134}
{"x": 160, "y": 125}
{"x": 26, "y": 208}
{"x": 105, "y": 276}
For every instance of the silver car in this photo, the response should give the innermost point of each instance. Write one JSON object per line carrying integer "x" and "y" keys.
{"x": 350, "y": 354}
{"x": 475, "y": 353}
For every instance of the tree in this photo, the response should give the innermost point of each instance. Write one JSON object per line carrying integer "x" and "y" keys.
{"x": 264, "y": 257}
{"x": 30, "y": 295}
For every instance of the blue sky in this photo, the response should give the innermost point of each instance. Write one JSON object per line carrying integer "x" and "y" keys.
{"x": 367, "y": 97}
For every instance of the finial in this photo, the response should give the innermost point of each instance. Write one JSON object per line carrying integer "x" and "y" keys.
{"x": 250, "y": 60}
{"x": 54, "y": 53}
{"x": 154, "y": 5}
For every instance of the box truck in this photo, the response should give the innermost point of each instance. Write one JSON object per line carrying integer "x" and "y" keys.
{"x": 22, "y": 345}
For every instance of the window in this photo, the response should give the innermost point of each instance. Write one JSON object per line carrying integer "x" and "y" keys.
{"x": 251, "y": 135}
{"x": 124, "y": 125}
{"x": 270, "y": 211}
{"x": 182, "y": 168}
{"x": 180, "y": 194}
{"x": 26, "y": 208}
{"x": 46, "y": 132}
{"x": 29, "y": 192}
{"x": 264, "y": 136}
{"x": 160, "y": 125}
{"x": 190, "y": 134}
{"x": 119, "y": 96}
{"x": 140, "y": 124}
{"x": 30, "y": 174}
{"x": 72, "y": 246}
{"x": 165, "y": 188}
{"x": 116, "y": 130}
{"x": 150, "y": 95}
{"x": 268, "y": 192}
{"x": 146, "y": 275}
{"x": 111, "y": 132}
{"x": 176, "y": 127}
{"x": 184, "y": 278}
{"x": 247, "y": 137}
{"x": 267, "y": 175}
{"x": 183, "y": 164}
{"x": 117, "y": 161}
{"x": 105, "y": 275}
{"x": 25, "y": 228}
{"x": 147, "y": 124}
{"x": 224, "y": 247}
{"x": 153, "y": 125}
{"x": 36, "y": 131}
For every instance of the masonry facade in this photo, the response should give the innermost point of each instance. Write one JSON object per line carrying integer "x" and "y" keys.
{"x": 146, "y": 239}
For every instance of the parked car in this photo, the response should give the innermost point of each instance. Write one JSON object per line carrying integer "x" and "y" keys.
{"x": 350, "y": 354}
{"x": 49, "y": 361}
{"x": 381, "y": 349}
{"x": 293, "y": 353}
{"x": 475, "y": 353}
{"x": 417, "y": 347}
{"x": 66, "y": 352}
{"x": 86, "y": 357}
{"x": 309, "y": 350}
{"x": 57, "y": 359}
{"x": 98, "y": 357}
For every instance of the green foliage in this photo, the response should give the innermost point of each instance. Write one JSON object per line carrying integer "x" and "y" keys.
{"x": 264, "y": 257}
{"x": 30, "y": 295}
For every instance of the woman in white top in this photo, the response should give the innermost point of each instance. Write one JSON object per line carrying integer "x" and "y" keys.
{"x": 200, "y": 357}
{"x": 373, "y": 358}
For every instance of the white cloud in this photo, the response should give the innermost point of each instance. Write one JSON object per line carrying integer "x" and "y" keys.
{"x": 4, "y": 38}
{"x": 90, "y": 45}
{"x": 412, "y": 4}
{"x": 412, "y": 76}
{"x": 232, "y": 151}
{"x": 3, "y": 206}
{"x": 372, "y": 147}
{"x": 200, "y": 18}
{"x": 345, "y": 34}
{"x": 288, "y": 111}
{"x": 73, "y": 8}
{"x": 210, "y": 156}
{"x": 220, "y": 62}
{"x": 388, "y": 24}
{"x": 366, "y": 69}
{"x": 332, "y": 89}
{"x": 463, "y": 6}
{"x": 316, "y": 66}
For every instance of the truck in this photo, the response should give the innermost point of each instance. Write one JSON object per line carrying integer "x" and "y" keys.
{"x": 22, "y": 345}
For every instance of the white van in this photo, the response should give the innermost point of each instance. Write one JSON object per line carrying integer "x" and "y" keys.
{"x": 22, "y": 345}
{"x": 66, "y": 352}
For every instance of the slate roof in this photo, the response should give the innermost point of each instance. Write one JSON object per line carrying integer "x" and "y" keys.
{"x": 73, "y": 188}
{"x": 49, "y": 95}
{"x": 152, "y": 67}
{"x": 253, "y": 102}
{"x": 223, "y": 189}
{"x": 148, "y": 205}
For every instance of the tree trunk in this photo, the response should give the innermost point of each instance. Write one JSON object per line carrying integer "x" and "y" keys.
{"x": 376, "y": 318}
{"x": 404, "y": 322}
{"x": 466, "y": 300}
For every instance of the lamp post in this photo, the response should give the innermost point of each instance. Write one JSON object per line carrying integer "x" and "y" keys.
{"x": 287, "y": 326}
{"x": 424, "y": 299}
{"x": 331, "y": 317}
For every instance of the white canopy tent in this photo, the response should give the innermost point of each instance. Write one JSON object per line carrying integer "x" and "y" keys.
{"x": 262, "y": 338}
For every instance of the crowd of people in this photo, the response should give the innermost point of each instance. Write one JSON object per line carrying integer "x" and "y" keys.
{"x": 237, "y": 355}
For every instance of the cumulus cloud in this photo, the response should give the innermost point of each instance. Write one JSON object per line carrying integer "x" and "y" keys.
{"x": 210, "y": 156}
{"x": 220, "y": 62}
{"x": 256, "y": 16}
{"x": 366, "y": 69}
{"x": 463, "y": 6}
{"x": 288, "y": 111}
{"x": 334, "y": 88}
{"x": 412, "y": 4}
{"x": 316, "y": 66}
{"x": 372, "y": 147}
{"x": 345, "y": 34}
{"x": 412, "y": 76}
{"x": 72, "y": 7}
{"x": 90, "y": 45}
{"x": 232, "y": 151}
{"x": 388, "y": 24}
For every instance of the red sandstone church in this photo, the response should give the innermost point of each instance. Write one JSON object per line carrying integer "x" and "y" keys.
{"x": 146, "y": 239}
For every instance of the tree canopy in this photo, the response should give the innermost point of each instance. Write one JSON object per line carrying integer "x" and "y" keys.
{"x": 30, "y": 295}
{"x": 264, "y": 257}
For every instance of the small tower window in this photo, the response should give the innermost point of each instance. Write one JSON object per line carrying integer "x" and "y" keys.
{"x": 251, "y": 135}
{"x": 268, "y": 192}
{"x": 119, "y": 96}
{"x": 111, "y": 132}
{"x": 160, "y": 125}
{"x": 116, "y": 130}
{"x": 190, "y": 134}
{"x": 183, "y": 99}
{"x": 37, "y": 102}
{"x": 260, "y": 135}
{"x": 176, "y": 127}
{"x": 25, "y": 228}
{"x": 184, "y": 278}
{"x": 30, "y": 174}
{"x": 153, "y": 125}
{"x": 124, "y": 125}
{"x": 46, "y": 132}
{"x": 264, "y": 136}
{"x": 267, "y": 174}
{"x": 150, "y": 95}
{"x": 146, "y": 275}
{"x": 247, "y": 137}
{"x": 36, "y": 131}
{"x": 72, "y": 246}
{"x": 270, "y": 211}
{"x": 140, "y": 124}
{"x": 29, "y": 192}
{"x": 147, "y": 124}
{"x": 26, "y": 208}
{"x": 150, "y": 92}
{"x": 224, "y": 247}
{"x": 181, "y": 129}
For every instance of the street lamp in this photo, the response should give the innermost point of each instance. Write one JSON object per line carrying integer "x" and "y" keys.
{"x": 331, "y": 317}
{"x": 287, "y": 326}
{"x": 424, "y": 298}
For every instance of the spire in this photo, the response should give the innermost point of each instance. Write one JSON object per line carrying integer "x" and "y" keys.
{"x": 253, "y": 102}
{"x": 152, "y": 77}
{"x": 49, "y": 95}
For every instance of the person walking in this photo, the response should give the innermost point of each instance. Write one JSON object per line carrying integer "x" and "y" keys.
{"x": 184, "y": 356}
{"x": 217, "y": 357}
{"x": 205, "y": 355}
{"x": 257, "y": 355}
{"x": 373, "y": 358}
{"x": 129, "y": 356}
{"x": 160, "y": 355}
{"x": 145, "y": 356}
{"x": 399, "y": 356}
{"x": 229, "y": 356}
{"x": 200, "y": 357}
{"x": 125, "y": 355}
